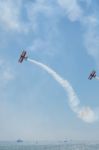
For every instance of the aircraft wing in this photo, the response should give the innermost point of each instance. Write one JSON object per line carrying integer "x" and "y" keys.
{"x": 21, "y": 59}
{"x": 90, "y": 77}
{"x": 23, "y": 54}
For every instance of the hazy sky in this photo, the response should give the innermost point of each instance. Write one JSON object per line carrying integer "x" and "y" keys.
{"x": 64, "y": 35}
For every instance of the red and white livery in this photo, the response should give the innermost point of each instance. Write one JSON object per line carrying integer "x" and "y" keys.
{"x": 92, "y": 75}
{"x": 23, "y": 56}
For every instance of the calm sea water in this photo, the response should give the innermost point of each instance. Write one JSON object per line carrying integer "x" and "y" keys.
{"x": 53, "y": 146}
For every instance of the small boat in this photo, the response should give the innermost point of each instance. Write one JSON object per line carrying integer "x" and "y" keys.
{"x": 19, "y": 140}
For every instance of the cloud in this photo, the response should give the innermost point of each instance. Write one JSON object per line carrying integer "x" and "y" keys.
{"x": 39, "y": 45}
{"x": 88, "y": 20}
{"x": 42, "y": 14}
{"x": 91, "y": 36}
{"x": 45, "y": 47}
{"x": 38, "y": 12}
{"x": 10, "y": 12}
{"x": 72, "y": 9}
{"x": 37, "y": 19}
{"x": 43, "y": 17}
{"x": 6, "y": 74}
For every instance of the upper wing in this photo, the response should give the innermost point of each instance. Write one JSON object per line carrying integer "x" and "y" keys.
{"x": 23, "y": 54}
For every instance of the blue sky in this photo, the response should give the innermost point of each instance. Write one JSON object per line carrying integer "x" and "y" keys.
{"x": 62, "y": 34}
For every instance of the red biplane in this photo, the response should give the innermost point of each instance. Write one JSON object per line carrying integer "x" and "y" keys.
{"x": 23, "y": 56}
{"x": 92, "y": 75}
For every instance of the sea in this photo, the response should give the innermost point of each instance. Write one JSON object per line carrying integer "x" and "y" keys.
{"x": 49, "y": 145}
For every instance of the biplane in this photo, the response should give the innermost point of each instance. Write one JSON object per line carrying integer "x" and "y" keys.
{"x": 23, "y": 56}
{"x": 92, "y": 75}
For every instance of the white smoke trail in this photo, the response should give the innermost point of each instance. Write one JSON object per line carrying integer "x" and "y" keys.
{"x": 84, "y": 113}
{"x": 97, "y": 78}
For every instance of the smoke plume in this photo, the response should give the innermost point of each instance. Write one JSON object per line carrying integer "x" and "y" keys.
{"x": 97, "y": 78}
{"x": 84, "y": 113}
